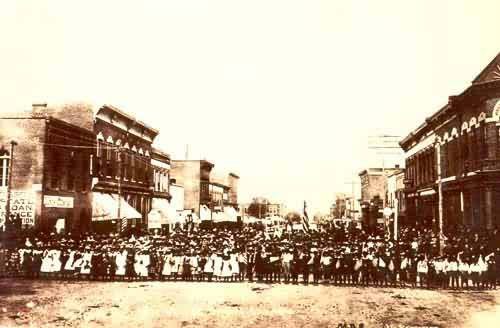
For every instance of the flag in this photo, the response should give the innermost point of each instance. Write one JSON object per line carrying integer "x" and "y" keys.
{"x": 305, "y": 220}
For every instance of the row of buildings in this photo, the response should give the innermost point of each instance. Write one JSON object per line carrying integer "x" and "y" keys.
{"x": 452, "y": 164}
{"x": 75, "y": 168}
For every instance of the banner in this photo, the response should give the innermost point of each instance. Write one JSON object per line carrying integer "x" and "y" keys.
{"x": 22, "y": 203}
{"x": 58, "y": 201}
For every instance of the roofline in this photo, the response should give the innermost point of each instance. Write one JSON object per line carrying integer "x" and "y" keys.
{"x": 497, "y": 57}
{"x": 129, "y": 117}
{"x": 202, "y": 161}
{"x": 159, "y": 152}
{"x": 422, "y": 128}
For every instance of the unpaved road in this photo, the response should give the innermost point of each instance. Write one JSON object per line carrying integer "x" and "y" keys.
{"x": 193, "y": 304}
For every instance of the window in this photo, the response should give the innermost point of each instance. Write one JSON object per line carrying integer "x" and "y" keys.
{"x": 4, "y": 167}
{"x": 132, "y": 167}
{"x": 55, "y": 176}
{"x": 70, "y": 170}
{"x": 465, "y": 147}
{"x": 484, "y": 144}
{"x": 125, "y": 163}
{"x": 473, "y": 144}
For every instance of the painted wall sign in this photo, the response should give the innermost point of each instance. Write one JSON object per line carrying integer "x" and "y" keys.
{"x": 22, "y": 203}
{"x": 58, "y": 201}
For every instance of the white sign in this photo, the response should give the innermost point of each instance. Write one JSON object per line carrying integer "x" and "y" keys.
{"x": 154, "y": 220}
{"x": 22, "y": 203}
{"x": 58, "y": 201}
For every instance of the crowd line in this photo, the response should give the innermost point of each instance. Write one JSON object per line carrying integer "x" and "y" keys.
{"x": 338, "y": 256}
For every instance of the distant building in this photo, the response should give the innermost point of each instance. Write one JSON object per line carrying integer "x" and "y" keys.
{"x": 373, "y": 193}
{"x": 275, "y": 209}
{"x": 210, "y": 196}
{"x": 395, "y": 199}
{"x": 161, "y": 212}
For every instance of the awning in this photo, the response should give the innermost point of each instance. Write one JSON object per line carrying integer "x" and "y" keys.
{"x": 105, "y": 208}
{"x": 231, "y": 213}
{"x": 205, "y": 213}
{"x": 225, "y": 216}
{"x": 162, "y": 210}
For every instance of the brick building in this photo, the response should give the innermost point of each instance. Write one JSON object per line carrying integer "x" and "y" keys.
{"x": 194, "y": 176}
{"x": 373, "y": 194}
{"x": 126, "y": 143}
{"x": 210, "y": 196}
{"x": 162, "y": 213}
{"x": 51, "y": 179}
{"x": 459, "y": 144}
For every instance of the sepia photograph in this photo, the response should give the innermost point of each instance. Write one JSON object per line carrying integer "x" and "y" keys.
{"x": 259, "y": 164}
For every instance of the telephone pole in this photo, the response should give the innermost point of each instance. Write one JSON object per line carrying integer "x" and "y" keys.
{"x": 9, "y": 182}
{"x": 353, "y": 195}
{"x": 122, "y": 223}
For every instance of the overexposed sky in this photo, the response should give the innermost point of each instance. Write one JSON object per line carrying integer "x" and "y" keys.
{"x": 284, "y": 93}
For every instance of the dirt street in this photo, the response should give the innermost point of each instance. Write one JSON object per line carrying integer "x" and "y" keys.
{"x": 181, "y": 304}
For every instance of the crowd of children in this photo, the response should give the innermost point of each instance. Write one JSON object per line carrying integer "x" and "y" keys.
{"x": 338, "y": 256}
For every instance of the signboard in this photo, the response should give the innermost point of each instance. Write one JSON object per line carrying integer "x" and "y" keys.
{"x": 154, "y": 220}
{"x": 22, "y": 203}
{"x": 58, "y": 201}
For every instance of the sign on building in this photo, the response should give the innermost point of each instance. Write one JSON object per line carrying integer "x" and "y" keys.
{"x": 22, "y": 203}
{"x": 58, "y": 201}
{"x": 154, "y": 220}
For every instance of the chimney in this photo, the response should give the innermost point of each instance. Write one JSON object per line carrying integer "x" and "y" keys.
{"x": 39, "y": 109}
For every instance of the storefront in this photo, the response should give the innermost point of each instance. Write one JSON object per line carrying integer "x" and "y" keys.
{"x": 111, "y": 213}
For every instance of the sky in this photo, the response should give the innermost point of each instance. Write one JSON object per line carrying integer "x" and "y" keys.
{"x": 284, "y": 93}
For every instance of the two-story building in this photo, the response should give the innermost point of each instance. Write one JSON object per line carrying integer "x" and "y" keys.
{"x": 458, "y": 148}
{"x": 49, "y": 167}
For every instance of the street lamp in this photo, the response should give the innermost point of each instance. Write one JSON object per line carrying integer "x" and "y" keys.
{"x": 9, "y": 182}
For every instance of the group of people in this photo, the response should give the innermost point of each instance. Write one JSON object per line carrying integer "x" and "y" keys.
{"x": 336, "y": 255}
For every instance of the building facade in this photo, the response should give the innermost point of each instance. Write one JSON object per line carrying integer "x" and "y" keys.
{"x": 209, "y": 196}
{"x": 275, "y": 209}
{"x": 458, "y": 148}
{"x": 373, "y": 194}
{"x": 395, "y": 199}
{"x": 123, "y": 176}
{"x": 51, "y": 173}
{"x": 194, "y": 176}
{"x": 161, "y": 213}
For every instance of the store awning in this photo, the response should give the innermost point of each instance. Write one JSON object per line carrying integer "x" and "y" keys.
{"x": 205, "y": 213}
{"x": 105, "y": 208}
{"x": 231, "y": 213}
{"x": 225, "y": 216}
{"x": 163, "y": 211}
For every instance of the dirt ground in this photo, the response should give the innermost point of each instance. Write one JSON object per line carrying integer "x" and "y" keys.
{"x": 193, "y": 304}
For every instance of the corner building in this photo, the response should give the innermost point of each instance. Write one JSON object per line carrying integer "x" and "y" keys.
{"x": 459, "y": 144}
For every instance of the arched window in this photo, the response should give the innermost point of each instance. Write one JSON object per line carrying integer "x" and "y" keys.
{"x": 4, "y": 167}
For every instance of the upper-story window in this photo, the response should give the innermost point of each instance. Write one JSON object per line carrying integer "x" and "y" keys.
{"x": 4, "y": 167}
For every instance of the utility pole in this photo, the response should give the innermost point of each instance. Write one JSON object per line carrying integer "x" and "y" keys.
{"x": 122, "y": 223}
{"x": 440, "y": 196}
{"x": 9, "y": 182}
{"x": 352, "y": 183}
